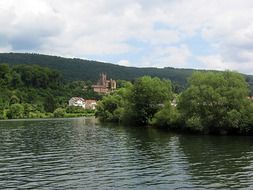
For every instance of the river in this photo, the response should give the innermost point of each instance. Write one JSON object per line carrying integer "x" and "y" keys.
{"x": 81, "y": 153}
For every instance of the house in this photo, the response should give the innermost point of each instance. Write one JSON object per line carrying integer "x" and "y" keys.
{"x": 77, "y": 101}
{"x": 250, "y": 97}
{"x": 85, "y": 104}
{"x": 103, "y": 85}
{"x": 90, "y": 104}
{"x": 174, "y": 103}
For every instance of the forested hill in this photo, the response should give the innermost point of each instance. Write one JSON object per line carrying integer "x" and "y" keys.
{"x": 79, "y": 69}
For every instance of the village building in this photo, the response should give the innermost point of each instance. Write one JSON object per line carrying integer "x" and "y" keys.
{"x": 174, "y": 103}
{"x": 90, "y": 104}
{"x": 103, "y": 85}
{"x": 85, "y": 104}
{"x": 77, "y": 102}
{"x": 250, "y": 97}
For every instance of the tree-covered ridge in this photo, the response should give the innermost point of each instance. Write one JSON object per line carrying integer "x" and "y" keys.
{"x": 29, "y": 91}
{"x": 78, "y": 69}
{"x": 214, "y": 102}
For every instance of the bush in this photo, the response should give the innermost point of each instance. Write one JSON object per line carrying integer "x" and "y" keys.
{"x": 75, "y": 109}
{"x": 15, "y": 111}
{"x": 59, "y": 112}
{"x": 168, "y": 117}
{"x": 2, "y": 113}
{"x": 216, "y": 102}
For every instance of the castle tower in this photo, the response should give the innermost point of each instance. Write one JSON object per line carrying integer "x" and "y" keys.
{"x": 103, "y": 85}
{"x": 102, "y": 79}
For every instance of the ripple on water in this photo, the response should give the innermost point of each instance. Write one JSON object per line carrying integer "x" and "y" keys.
{"x": 79, "y": 154}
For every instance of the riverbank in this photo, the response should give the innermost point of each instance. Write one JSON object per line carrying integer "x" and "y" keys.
{"x": 51, "y": 116}
{"x": 213, "y": 103}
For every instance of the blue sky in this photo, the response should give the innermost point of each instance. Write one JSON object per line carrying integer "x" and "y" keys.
{"x": 199, "y": 34}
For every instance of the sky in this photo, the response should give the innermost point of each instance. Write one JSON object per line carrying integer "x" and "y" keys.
{"x": 200, "y": 34}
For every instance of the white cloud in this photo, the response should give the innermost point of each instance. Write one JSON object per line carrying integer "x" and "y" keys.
{"x": 213, "y": 62}
{"x": 27, "y": 27}
{"x": 82, "y": 28}
{"x": 168, "y": 57}
{"x": 124, "y": 63}
{"x": 217, "y": 62}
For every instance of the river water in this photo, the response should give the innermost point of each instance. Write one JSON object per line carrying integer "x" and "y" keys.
{"x": 83, "y": 154}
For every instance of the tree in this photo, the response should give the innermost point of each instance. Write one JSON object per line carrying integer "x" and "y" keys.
{"x": 4, "y": 69}
{"x": 168, "y": 117}
{"x": 2, "y": 114}
{"x": 111, "y": 107}
{"x": 15, "y": 111}
{"x": 214, "y": 102}
{"x": 14, "y": 100}
{"x": 146, "y": 98}
{"x": 5, "y": 75}
{"x": 16, "y": 80}
{"x": 59, "y": 112}
{"x": 49, "y": 103}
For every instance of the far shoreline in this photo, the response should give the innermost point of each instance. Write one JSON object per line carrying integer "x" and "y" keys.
{"x": 46, "y": 118}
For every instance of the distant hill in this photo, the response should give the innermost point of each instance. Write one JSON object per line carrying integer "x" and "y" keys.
{"x": 79, "y": 69}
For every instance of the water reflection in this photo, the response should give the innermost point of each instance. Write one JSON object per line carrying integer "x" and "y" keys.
{"x": 82, "y": 154}
{"x": 219, "y": 162}
{"x": 155, "y": 158}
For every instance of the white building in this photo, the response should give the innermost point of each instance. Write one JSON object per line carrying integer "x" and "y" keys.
{"x": 85, "y": 104}
{"x": 90, "y": 104}
{"x": 77, "y": 101}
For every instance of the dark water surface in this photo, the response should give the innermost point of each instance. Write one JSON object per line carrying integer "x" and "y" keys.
{"x": 80, "y": 154}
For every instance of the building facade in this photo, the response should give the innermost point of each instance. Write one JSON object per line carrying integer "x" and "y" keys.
{"x": 103, "y": 85}
{"x": 85, "y": 104}
{"x": 77, "y": 102}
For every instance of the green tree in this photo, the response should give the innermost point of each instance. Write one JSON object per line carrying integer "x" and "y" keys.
{"x": 111, "y": 107}
{"x": 2, "y": 113}
{"x": 14, "y": 100}
{"x": 15, "y": 111}
{"x": 214, "y": 102}
{"x": 59, "y": 112}
{"x": 49, "y": 103}
{"x": 4, "y": 69}
{"x": 28, "y": 109}
{"x": 16, "y": 80}
{"x": 5, "y": 75}
{"x": 146, "y": 98}
{"x": 167, "y": 117}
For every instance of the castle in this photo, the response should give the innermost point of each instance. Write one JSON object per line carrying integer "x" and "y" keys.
{"x": 103, "y": 85}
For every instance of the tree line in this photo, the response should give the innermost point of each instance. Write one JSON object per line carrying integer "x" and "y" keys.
{"x": 212, "y": 103}
{"x": 31, "y": 91}
{"x": 87, "y": 70}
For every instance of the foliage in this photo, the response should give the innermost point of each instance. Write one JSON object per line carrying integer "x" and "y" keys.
{"x": 84, "y": 70}
{"x": 59, "y": 112}
{"x": 168, "y": 117}
{"x": 79, "y": 70}
{"x": 39, "y": 90}
{"x": 78, "y": 110}
{"x": 216, "y": 103}
{"x": 14, "y": 100}
{"x": 146, "y": 98}
{"x": 111, "y": 108}
{"x": 2, "y": 112}
{"x": 15, "y": 111}
{"x": 135, "y": 103}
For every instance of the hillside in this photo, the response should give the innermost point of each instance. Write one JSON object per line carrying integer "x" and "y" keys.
{"x": 79, "y": 69}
